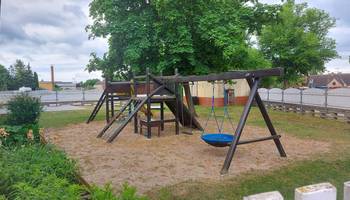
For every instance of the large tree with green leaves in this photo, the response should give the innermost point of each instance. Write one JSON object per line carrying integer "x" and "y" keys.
{"x": 196, "y": 36}
{"x": 298, "y": 41}
{"x": 21, "y": 75}
{"x": 4, "y": 78}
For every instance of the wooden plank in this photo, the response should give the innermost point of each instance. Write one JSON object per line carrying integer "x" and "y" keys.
{"x": 109, "y": 124}
{"x": 131, "y": 115}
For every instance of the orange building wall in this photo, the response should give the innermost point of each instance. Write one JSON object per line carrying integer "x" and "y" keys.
{"x": 46, "y": 85}
{"x": 219, "y": 102}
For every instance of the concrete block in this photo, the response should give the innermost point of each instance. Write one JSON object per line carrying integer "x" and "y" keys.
{"x": 321, "y": 191}
{"x": 275, "y": 195}
{"x": 347, "y": 190}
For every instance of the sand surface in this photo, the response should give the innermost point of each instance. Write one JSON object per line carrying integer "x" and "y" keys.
{"x": 169, "y": 159}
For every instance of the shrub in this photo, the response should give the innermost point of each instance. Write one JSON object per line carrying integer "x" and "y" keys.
{"x": 19, "y": 135}
{"x": 51, "y": 187}
{"x": 23, "y": 109}
{"x": 43, "y": 172}
{"x": 129, "y": 193}
{"x": 106, "y": 193}
{"x": 32, "y": 164}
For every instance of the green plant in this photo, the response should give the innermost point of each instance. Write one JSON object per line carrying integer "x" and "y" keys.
{"x": 106, "y": 193}
{"x": 50, "y": 187}
{"x": 19, "y": 135}
{"x": 31, "y": 164}
{"x": 23, "y": 109}
{"x": 129, "y": 193}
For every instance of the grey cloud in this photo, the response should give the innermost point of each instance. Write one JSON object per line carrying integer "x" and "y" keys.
{"x": 45, "y": 32}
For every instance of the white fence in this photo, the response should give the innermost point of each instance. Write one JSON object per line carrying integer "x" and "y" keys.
{"x": 326, "y": 98}
{"x": 58, "y": 97}
{"x": 320, "y": 191}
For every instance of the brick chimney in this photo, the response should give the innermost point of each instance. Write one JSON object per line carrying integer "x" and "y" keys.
{"x": 52, "y": 77}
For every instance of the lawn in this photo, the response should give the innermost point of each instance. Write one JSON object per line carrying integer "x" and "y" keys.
{"x": 331, "y": 167}
{"x": 63, "y": 118}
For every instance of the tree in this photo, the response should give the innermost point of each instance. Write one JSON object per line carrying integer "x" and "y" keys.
{"x": 21, "y": 75}
{"x": 298, "y": 41}
{"x": 4, "y": 78}
{"x": 89, "y": 84}
{"x": 36, "y": 81}
{"x": 196, "y": 37}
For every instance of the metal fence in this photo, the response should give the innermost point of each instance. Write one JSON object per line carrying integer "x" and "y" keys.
{"x": 56, "y": 97}
{"x": 324, "y": 98}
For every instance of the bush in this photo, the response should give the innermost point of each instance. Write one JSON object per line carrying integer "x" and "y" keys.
{"x": 19, "y": 135}
{"x": 51, "y": 187}
{"x": 106, "y": 193}
{"x": 32, "y": 164}
{"x": 23, "y": 109}
{"x": 43, "y": 172}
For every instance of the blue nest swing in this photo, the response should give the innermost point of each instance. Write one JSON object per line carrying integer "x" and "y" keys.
{"x": 218, "y": 139}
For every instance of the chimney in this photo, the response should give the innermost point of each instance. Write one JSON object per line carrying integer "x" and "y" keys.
{"x": 52, "y": 77}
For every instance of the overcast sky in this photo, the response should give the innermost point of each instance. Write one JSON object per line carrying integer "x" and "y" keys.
{"x": 45, "y": 32}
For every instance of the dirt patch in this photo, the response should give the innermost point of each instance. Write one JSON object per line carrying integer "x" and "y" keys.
{"x": 169, "y": 159}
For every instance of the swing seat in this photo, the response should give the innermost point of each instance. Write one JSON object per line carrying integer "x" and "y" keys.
{"x": 218, "y": 139}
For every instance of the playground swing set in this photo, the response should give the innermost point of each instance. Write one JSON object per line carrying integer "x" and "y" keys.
{"x": 142, "y": 91}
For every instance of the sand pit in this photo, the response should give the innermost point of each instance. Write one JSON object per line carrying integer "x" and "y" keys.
{"x": 169, "y": 159}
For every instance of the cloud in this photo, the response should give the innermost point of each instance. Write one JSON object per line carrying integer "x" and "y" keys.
{"x": 46, "y": 32}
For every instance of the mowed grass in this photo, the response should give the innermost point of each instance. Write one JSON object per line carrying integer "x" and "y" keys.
{"x": 332, "y": 167}
{"x": 285, "y": 180}
{"x": 64, "y": 118}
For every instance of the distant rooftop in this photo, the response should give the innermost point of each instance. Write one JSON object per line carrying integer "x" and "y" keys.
{"x": 325, "y": 79}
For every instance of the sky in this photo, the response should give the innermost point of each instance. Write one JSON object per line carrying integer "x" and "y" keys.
{"x": 52, "y": 32}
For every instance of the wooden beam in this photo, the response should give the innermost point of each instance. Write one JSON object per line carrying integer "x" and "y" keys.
{"x": 227, "y": 75}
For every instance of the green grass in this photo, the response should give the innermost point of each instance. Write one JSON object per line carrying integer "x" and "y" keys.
{"x": 302, "y": 126}
{"x": 332, "y": 167}
{"x": 284, "y": 180}
{"x": 64, "y": 118}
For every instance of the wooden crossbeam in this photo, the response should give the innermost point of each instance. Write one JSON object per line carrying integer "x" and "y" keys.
{"x": 226, "y": 75}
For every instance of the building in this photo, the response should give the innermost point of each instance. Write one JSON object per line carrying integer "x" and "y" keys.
{"x": 66, "y": 85}
{"x": 237, "y": 92}
{"x": 332, "y": 80}
{"x": 47, "y": 85}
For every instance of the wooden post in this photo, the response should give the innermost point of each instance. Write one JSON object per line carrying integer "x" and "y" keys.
{"x": 240, "y": 126}
{"x": 107, "y": 107}
{"x": 162, "y": 109}
{"x": 162, "y": 115}
{"x": 134, "y": 85}
{"x": 112, "y": 104}
{"x": 189, "y": 99}
{"x": 177, "y": 105}
{"x": 267, "y": 120}
{"x": 148, "y": 85}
